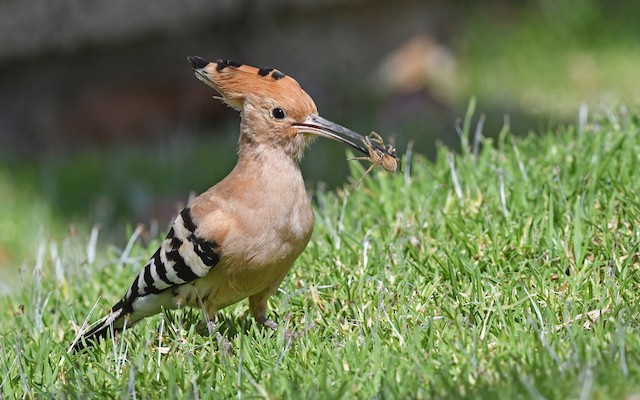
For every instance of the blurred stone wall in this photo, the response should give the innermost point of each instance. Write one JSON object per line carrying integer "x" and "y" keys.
{"x": 77, "y": 72}
{"x": 29, "y": 28}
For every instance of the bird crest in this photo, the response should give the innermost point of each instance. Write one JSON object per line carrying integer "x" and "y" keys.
{"x": 236, "y": 81}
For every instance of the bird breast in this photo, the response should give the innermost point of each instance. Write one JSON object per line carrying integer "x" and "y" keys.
{"x": 268, "y": 222}
{"x": 277, "y": 220}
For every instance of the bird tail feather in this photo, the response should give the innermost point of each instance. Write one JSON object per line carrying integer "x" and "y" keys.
{"x": 113, "y": 322}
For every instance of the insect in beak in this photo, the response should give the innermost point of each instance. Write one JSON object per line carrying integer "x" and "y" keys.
{"x": 318, "y": 126}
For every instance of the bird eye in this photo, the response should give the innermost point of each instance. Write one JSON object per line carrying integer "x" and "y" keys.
{"x": 277, "y": 113}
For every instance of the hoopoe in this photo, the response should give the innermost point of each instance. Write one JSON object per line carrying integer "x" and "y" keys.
{"x": 238, "y": 239}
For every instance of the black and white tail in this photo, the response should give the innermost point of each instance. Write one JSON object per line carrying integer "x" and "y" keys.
{"x": 111, "y": 323}
{"x": 182, "y": 258}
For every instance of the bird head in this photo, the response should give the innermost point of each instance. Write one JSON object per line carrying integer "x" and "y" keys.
{"x": 275, "y": 109}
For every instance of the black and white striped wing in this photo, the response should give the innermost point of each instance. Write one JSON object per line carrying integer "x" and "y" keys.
{"x": 182, "y": 258}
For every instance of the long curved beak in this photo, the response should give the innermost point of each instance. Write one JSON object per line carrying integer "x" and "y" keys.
{"x": 318, "y": 126}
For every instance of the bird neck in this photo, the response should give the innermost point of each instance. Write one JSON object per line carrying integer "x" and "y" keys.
{"x": 266, "y": 172}
{"x": 266, "y": 159}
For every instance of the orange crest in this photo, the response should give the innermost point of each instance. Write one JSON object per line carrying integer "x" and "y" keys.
{"x": 236, "y": 82}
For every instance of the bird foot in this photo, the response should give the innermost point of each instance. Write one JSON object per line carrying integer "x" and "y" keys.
{"x": 223, "y": 343}
{"x": 266, "y": 322}
{"x": 289, "y": 335}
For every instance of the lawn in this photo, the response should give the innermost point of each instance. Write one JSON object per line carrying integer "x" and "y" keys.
{"x": 546, "y": 58}
{"x": 509, "y": 269}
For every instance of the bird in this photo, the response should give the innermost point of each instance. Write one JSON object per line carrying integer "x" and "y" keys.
{"x": 239, "y": 238}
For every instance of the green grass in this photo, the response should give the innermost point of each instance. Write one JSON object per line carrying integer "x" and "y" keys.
{"x": 468, "y": 276}
{"x": 25, "y": 219}
{"x": 551, "y": 55}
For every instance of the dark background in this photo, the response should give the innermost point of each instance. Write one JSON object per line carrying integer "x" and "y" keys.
{"x": 102, "y": 121}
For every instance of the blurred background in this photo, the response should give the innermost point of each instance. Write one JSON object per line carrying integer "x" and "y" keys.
{"x": 102, "y": 121}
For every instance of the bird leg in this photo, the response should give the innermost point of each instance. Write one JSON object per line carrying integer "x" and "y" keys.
{"x": 258, "y": 305}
